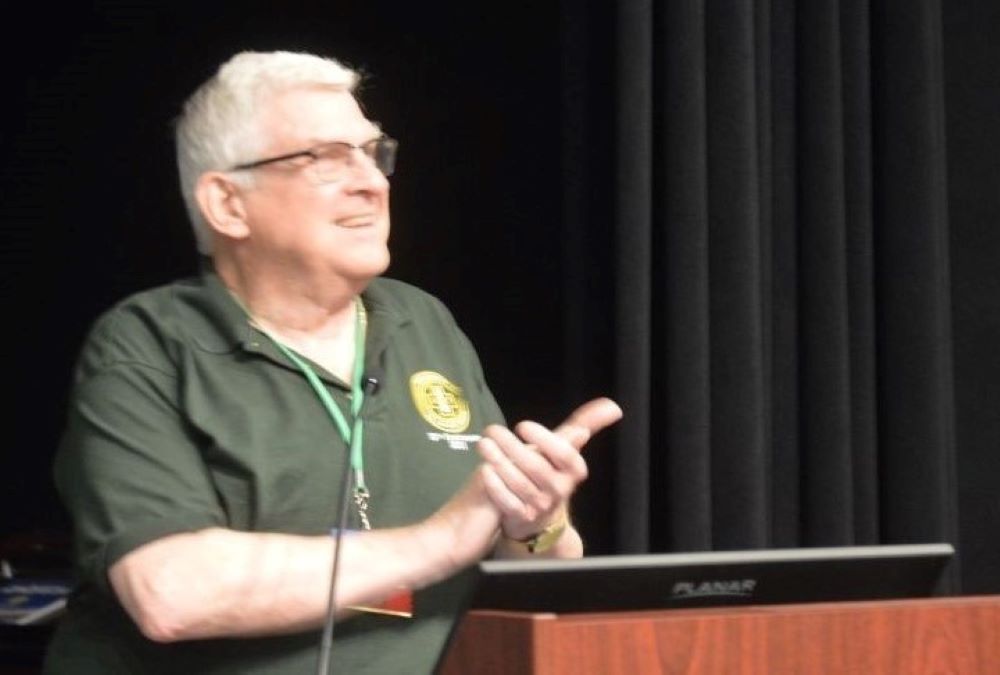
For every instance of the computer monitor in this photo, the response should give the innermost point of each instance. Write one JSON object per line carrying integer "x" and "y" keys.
{"x": 681, "y": 580}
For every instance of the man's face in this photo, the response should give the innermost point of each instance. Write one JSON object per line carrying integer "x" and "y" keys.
{"x": 318, "y": 228}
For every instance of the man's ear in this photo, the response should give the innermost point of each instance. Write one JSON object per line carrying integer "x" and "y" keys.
{"x": 221, "y": 203}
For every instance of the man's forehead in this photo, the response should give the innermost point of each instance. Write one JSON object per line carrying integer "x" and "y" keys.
{"x": 320, "y": 114}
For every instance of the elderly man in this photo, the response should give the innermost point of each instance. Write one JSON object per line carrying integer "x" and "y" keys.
{"x": 212, "y": 419}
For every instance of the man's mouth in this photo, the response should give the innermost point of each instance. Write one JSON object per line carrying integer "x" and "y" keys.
{"x": 360, "y": 220}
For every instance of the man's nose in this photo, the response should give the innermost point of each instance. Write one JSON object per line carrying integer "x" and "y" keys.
{"x": 363, "y": 172}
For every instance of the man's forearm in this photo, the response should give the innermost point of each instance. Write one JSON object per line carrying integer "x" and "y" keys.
{"x": 220, "y": 582}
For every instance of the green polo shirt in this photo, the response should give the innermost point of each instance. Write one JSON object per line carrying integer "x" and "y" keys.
{"x": 184, "y": 416}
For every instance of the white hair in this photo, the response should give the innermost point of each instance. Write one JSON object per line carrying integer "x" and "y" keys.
{"x": 219, "y": 125}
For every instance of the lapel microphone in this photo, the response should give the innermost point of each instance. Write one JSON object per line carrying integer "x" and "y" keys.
{"x": 370, "y": 384}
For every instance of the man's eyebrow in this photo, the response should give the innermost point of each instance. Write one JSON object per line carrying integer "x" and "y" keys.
{"x": 376, "y": 132}
{"x": 316, "y": 141}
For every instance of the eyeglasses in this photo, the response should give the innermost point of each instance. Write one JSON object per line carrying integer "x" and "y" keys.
{"x": 331, "y": 162}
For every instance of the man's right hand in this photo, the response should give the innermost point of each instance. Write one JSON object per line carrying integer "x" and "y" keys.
{"x": 468, "y": 525}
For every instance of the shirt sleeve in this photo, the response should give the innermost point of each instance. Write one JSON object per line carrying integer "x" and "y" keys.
{"x": 128, "y": 468}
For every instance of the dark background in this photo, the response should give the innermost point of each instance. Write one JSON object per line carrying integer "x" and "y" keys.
{"x": 972, "y": 71}
{"x": 90, "y": 209}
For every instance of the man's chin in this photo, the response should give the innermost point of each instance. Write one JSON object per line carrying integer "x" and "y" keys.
{"x": 368, "y": 269}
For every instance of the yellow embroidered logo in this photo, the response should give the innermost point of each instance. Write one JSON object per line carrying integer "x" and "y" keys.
{"x": 439, "y": 401}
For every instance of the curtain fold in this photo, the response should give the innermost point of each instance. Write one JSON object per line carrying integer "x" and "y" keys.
{"x": 683, "y": 484}
{"x": 765, "y": 203}
{"x": 633, "y": 187}
{"x": 915, "y": 349}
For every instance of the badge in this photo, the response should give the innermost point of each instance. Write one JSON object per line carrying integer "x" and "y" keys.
{"x": 398, "y": 604}
{"x": 440, "y": 402}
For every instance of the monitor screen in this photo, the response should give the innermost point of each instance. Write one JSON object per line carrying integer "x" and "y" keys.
{"x": 679, "y": 580}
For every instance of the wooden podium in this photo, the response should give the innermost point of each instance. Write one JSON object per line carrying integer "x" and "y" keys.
{"x": 954, "y": 635}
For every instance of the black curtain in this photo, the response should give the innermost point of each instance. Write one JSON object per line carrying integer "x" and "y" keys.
{"x": 755, "y": 193}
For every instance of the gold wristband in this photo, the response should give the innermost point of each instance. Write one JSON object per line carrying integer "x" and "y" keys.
{"x": 547, "y": 538}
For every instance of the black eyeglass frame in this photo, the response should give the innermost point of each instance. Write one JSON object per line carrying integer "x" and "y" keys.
{"x": 386, "y": 142}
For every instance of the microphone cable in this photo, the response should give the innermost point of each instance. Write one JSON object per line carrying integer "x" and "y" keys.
{"x": 372, "y": 382}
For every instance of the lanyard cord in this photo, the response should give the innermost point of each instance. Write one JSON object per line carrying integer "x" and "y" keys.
{"x": 353, "y": 435}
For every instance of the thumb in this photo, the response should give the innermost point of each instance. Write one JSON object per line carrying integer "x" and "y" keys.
{"x": 587, "y": 420}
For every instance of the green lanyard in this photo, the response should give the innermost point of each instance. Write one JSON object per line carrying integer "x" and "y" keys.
{"x": 353, "y": 435}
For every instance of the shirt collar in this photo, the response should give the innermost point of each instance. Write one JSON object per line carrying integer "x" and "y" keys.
{"x": 219, "y": 325}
